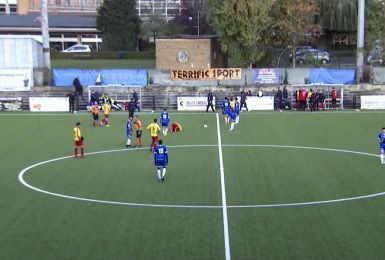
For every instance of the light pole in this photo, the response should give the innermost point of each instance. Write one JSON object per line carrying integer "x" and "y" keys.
{"x": 360, "y": 40}
{"x": 198, "y": 22}
{"x": 45, "y": 36}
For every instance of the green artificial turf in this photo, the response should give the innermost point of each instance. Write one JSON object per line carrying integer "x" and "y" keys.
{"x": 86, "y": 208}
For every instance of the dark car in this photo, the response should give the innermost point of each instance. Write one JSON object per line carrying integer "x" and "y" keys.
{"x": 312, "y": 55}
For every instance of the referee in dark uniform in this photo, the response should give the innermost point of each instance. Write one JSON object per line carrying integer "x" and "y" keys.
{"x": 210, "y": 99}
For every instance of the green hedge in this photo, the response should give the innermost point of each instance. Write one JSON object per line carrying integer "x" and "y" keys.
{"x": 105, "y": 55}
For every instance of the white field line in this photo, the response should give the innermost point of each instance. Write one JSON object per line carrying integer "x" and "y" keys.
{"x": 24, "y": 172}
{"x": 86, "y": 113}
{"x": 223, "y": 191}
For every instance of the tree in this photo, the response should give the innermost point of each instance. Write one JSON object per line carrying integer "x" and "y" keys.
{"x": 374, "y": 23}
{"x": 241, "y": 26}
{"x": 338, "y": 15}
{"x": 292, "y": 21}
{"x": 119, "y": 23}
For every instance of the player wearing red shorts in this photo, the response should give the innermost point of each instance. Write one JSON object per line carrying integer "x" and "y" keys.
{"x": 78, "y": 141}
{"x": 154, "y": 130}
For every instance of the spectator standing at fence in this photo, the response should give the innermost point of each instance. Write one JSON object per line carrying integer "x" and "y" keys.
{"x": 278, "y": 99}
{"x": 78, "y": 141}
{"x": 131, "y": 108}
{"x": 244, "y": 95}
{"x": 313, "y": 101}
{"x": 210, "y": 99}
{"x": 78, "y": 87}
{"x": 296, "y": 97}
{"x": 302, "y": 99}
{"x": 321, "y": 100}
{"x": 71, "y": 101}
{"x": 333, "y": 96}
{"x": 135, "y": 98}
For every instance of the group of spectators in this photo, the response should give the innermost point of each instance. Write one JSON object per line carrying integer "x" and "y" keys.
{"x": 313, "y": 100}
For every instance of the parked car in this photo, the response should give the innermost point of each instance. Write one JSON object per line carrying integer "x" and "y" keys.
{"x": 312, "y": 55}
{"x": 78, "y": 48}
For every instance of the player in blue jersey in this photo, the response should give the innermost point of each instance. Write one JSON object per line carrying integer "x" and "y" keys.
{"x": 233, "y": 118}
{"x": 161, "y": 160}
{"x": 226, "y": 110}
{"x": 164, "y": 120}
{"x": 237, "y": 109}
{"x": 381, "y": 140}
{"x": 129, "y": 131}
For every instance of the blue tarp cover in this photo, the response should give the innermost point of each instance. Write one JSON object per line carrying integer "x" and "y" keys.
{"x": 123, "y": 77}
{"x": 331, "y": 76}
{"x": 65, "y": 77}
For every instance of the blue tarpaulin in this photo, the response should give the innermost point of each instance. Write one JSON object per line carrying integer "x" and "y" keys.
{"x": 331, "y": 76}
{"x": 123, "y": 77}
{"x": 65, "y": 77}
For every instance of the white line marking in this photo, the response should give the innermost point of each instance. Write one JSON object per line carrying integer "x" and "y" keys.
{"x": 263, "y": 112}
{"x": 223, "y": 190}
{"x": 24, "y": 172}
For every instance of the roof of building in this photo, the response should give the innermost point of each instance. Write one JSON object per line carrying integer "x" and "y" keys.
{"x": 55, "y": 21}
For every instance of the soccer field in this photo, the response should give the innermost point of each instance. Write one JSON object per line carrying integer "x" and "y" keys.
{"x": 291, "y": 185}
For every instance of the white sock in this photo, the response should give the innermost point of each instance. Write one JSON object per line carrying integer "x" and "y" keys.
{"x": 237, "y": 120}
{"x": 382, "y": 158}
{"x": 232, "y": 126}
{"x": 163, "y": 172}
{"x": 159, "y": 176}
{"x": 166, "y": 129}
{"x": 128, "y": 141}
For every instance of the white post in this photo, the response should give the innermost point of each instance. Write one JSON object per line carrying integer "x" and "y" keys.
{"x": 198, "y": 22}
{"x": 45, "y": 35}
{"x": 360, "y": 40}
{"x": 7, "y": 9}
{"x": 342, "y": 97}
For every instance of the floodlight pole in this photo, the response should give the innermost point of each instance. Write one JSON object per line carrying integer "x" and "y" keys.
{"x": 45, "y": 36}
{"x": 360, "y": 40}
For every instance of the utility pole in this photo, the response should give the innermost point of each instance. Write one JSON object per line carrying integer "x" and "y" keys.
{"x": 45, "y": 36}
{"x": 360, "y": 40}
{"x": 7, "y": 9}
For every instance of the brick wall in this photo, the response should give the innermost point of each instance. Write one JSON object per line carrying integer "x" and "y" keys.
{"x": 187, "y": 54}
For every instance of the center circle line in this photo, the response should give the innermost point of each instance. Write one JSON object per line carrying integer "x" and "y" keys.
{"x": 25, "y": 170}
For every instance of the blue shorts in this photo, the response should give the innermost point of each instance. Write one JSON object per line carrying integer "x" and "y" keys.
{"x": 164, "y": 124}
{"x": 382, "y": 148}
{"x": 160, "y": 163}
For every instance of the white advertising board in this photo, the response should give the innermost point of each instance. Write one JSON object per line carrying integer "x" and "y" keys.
{"x": 373, "y": 102}
{"x": 16, "y": 79}
{"x": 48, "y": 104}
{"x": 259, "y": 103}
{"x": 193, "y": 103}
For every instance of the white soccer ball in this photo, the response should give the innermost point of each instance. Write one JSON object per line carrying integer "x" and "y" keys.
{"x": 152, "y": 111}
{"x": 204, "y": 126}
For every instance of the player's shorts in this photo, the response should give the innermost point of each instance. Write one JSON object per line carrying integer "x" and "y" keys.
{"x": 128, "y": 135}
{"x": 382, "y": 148}
{"x": 106, "y": 115}
{"x": 79, "y": 143}
{"x": 139, "y": 134}
{"x": 160, "y": 164}
{"x": 154, "y": 139}
{"x": 95, "y": 116}
{"x": 164, "y": 124}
